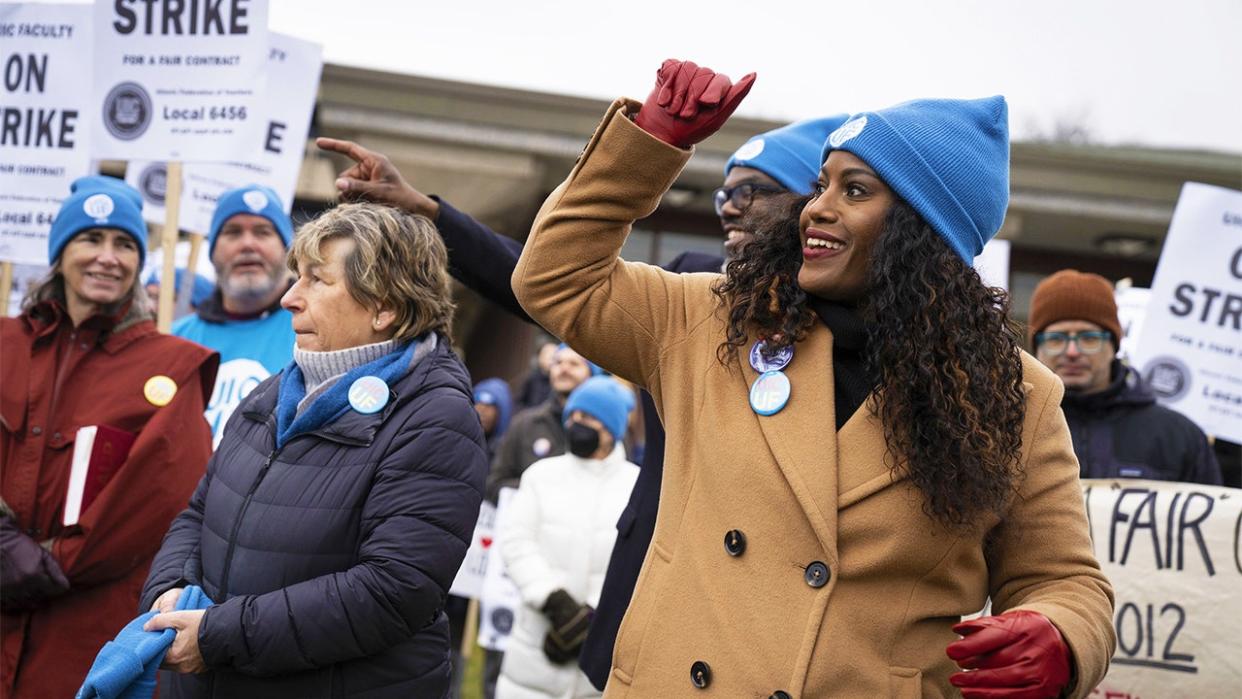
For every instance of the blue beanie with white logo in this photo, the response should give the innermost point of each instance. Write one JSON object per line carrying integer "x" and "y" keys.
{"x": 98, "y": 201}
{"x": 790, "y": 154}
{"x": 949, "y": 159}
{"x": 604, "y": 399}
{"x": 251, "y": 199}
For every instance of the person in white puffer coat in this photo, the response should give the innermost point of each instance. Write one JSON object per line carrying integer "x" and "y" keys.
{"x": 558, "y": 537}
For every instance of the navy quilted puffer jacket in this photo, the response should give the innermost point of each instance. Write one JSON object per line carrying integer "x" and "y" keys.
{"x": 330, "y": 558}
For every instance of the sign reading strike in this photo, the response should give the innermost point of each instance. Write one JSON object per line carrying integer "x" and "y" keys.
{"x": 274, "y": 157}
{"x": 178, "y": 80}
{"x": 46, "y": 79}
{"x": 1171, "y": 551}
{"x": 1190, "y": 351}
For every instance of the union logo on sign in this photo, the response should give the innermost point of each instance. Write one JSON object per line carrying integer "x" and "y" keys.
{"x": 127, "y": 111}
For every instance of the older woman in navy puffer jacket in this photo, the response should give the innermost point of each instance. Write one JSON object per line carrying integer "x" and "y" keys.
{"x": 337, "y": 510}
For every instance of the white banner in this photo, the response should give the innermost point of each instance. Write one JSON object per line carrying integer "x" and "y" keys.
{"x": 500, "y": 599}
{"x": 1171, "y": 551}
{"x": 45, "y": 128}
{"x": 179, "y": 80}
{"x": 1190, "y": 351}
{"x": 275, "y": 156}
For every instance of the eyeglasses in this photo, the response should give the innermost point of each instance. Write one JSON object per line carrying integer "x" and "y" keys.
{"x": 741, "y": 195}
{"x": 1088, "y": 342}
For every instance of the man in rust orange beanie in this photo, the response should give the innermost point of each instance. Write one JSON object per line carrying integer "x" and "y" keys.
{"x": 1118, "y": 429}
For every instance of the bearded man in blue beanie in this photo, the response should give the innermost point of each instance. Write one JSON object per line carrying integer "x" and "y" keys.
{"x": 763, "y": 178}
{"x": 242, "y": 318}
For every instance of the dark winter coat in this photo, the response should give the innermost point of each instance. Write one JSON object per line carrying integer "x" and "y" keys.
{"x": 57, "y": 378}
{"x": 330, "y": 558}
{"x": 484, "y": 260}
{"x": 1121, "y": 432}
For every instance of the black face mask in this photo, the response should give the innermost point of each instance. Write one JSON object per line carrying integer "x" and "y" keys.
{"x": 583, "y": 440}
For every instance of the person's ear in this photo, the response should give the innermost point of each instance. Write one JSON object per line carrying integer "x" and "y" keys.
{"x": 383, "y": 320}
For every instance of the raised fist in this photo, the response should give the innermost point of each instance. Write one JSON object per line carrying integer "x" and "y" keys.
{"x": 690, "y": 103}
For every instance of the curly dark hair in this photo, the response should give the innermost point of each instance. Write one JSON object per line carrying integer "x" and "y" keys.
{"x": 759, "y": 293}
{"x": 941, "y": 351}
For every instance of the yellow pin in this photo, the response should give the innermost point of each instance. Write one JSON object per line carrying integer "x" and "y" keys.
{"x": 159, "y": 390}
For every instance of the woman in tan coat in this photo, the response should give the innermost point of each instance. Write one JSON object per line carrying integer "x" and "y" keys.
{"x": 858, "y": 453}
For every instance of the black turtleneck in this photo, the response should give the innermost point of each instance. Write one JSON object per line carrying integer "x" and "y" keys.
{"x": 849, "y": 362}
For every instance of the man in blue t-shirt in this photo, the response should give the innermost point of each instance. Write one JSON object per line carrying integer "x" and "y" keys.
{"x": 243, "y": 320}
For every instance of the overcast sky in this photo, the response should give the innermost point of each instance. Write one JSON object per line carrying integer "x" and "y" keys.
{"x": 1128, "y": 71}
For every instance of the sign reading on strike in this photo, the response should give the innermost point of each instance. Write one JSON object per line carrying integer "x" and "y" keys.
{"x": 1190, "y": 352}
{"x": 178, "y": 80}
{"x": 45, "y": 74}
{"x": 275, "y": 154}
{"x": 1171, "y": 551}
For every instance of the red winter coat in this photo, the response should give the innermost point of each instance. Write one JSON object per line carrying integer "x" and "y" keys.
{"x": 57, "y": 378}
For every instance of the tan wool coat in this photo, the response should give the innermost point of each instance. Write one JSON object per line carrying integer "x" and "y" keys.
{"x": 844, "y": 587}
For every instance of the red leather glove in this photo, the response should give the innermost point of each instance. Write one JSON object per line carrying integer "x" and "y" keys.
{"x": 689, "y": 103}
{"x": 1015, "y": 655}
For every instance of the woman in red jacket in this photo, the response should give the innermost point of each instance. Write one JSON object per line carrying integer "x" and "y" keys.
{"x": 85, "y": 352}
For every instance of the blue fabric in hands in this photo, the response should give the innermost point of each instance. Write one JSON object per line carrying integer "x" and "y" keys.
{"x": 252, "y": 199}
{"x": 791, "y": 154}
{"x": 125, "y": 667}
{"x": 98, "y": 201}
{"x": 333, "y": 402}
{"x": 604, "y": 399}
{"x": 949, "y": 159}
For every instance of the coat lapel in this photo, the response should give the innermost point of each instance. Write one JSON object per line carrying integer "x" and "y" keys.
{"x": 803, "y": 436}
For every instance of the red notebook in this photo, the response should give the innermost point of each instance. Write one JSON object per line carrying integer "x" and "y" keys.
{"x": 98, "y": 453}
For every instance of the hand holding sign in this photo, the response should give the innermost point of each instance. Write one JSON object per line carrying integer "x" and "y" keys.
{"x": 374, "y": 178}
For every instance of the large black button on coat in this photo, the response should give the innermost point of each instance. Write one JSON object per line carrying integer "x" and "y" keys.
{"x": 778, "y": 694}
{"x": 816, "y": 574}
{"x": 700, "y": 674}
{"x": 735, "y": 542}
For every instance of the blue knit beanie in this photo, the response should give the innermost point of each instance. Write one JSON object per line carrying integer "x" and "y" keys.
{"x": 200, "y": 291}
{"x": 251, "y": 199}
{"x": 949, "y": 159}
{"x": 790, "y": 154}
{"x": 603, "y": 399}
{"x": 97, "y": 201}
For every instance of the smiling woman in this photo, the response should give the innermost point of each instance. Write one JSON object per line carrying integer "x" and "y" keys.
{"x": 85, "y": 353}
{"x": 860, "y": 415}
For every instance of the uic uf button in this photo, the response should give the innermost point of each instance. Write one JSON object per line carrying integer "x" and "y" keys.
{"x": 735, "y": 542}
{"x": 778, "y": 694}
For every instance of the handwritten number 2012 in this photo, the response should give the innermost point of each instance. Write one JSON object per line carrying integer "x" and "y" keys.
{"x": 1134, "y": 649}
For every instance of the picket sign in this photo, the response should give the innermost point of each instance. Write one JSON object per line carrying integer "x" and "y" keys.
{"x": 168, "y": 242}
{"x": 6, "y": 283}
